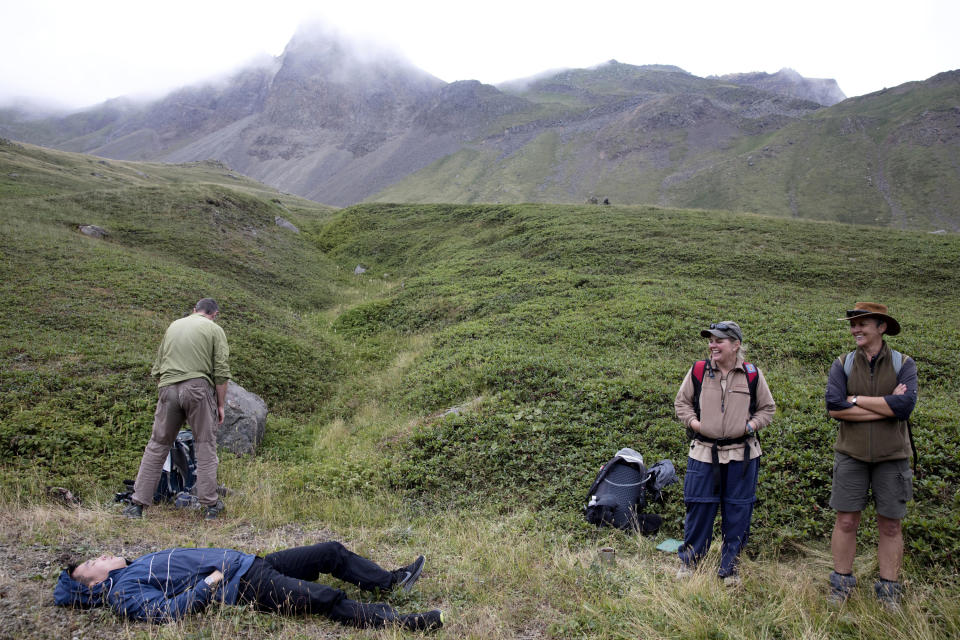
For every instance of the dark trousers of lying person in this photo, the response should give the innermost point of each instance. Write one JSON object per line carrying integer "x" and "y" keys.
{"x": 285, "y": 582}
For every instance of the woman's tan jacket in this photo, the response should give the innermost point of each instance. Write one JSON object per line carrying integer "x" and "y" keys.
{"x": 724, "y": 411}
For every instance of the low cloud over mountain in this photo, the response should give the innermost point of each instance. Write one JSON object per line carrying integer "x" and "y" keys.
{"x": 340, "y": 123}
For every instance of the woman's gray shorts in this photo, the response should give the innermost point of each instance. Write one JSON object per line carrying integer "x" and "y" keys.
{"x": 891, "y": 482}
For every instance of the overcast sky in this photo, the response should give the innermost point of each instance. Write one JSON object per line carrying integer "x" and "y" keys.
{"x": 81, "y": 53}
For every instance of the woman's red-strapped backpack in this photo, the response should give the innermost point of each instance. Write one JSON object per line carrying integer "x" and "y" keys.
{"x": 697, "y": 373}
{"x": 701, "y": 367}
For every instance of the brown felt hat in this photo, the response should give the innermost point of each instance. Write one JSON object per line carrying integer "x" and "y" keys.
{"x": 874, "y": 310}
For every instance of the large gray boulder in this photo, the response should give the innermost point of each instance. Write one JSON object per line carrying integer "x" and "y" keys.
{"x": 244, "y": 421}
{"x": 93, "y": 231}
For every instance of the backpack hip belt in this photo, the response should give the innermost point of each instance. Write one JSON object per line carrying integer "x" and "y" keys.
{"x": 715, "y": 444}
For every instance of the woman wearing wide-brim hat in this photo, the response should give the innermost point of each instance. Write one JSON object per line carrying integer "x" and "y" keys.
{"x": 724, "y": 401}
{"x": 876, "y": 311}
{"x": 871, "y": 393}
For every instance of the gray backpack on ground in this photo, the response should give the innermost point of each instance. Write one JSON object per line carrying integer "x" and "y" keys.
{"x": 624, "y": 488}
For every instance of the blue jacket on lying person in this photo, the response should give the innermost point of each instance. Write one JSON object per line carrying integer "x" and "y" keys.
{"x": 168, "y": 585}
{"x": 159, "y": 587}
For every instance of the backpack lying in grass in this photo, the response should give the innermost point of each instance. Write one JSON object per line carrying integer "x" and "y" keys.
{"x": 623, "y": 490}
{"x": 178, "y": 477}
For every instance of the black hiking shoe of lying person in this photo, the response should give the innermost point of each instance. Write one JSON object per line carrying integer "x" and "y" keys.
{"x": 405, "y": 577}
{"x": 429, "y": 621}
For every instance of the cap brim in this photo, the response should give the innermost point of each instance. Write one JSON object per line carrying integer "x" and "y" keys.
{"x": 706, "y": 333}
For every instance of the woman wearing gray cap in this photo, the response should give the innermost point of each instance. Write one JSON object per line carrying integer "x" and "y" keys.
{"x": 723, "y": 401}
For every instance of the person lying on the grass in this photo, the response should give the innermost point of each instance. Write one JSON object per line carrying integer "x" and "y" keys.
{"x": 170, "y": 584}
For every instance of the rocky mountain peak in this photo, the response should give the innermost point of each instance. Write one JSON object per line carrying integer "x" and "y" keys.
{"x": 788, "y": 82}
{"x": 318, "y": 50}
{"x": 341, "y": 120}
{"x": 328, "y": 80}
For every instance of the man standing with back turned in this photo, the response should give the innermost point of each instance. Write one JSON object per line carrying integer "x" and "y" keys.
{"x": 871, "y": 392}
{"x": 192, "y": 366}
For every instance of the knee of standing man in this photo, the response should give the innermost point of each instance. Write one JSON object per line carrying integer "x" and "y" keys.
{"x": 889, "y": 527}
{"x": 848, "y": 522}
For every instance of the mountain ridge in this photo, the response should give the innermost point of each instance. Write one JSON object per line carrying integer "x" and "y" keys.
{"x": 340, "y": 124}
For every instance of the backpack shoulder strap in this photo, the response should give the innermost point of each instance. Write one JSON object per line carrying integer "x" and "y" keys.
{"x": 897, "y": 359}
{"x": 696, "y": 375}
{"x": 604, "y": 470}
{"x": 848, "y": 363}
{"x": 753, "y": 378}
{"x": 698, "y": 368}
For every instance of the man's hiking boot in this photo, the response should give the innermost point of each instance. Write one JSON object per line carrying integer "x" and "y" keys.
{"x": 684, "y": 572}
{"x": 133, "y": 511}
{"x": 429, "y": 621}
{"x": 889, "y": 593}
{"x": 213, "y": 511}
{"x": 406, "y": 577}
{"x": 841, "y": 586}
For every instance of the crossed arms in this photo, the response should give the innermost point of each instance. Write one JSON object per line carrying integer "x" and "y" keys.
{"x": 898, "y": 404}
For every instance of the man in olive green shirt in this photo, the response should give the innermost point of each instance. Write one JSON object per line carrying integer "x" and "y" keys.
{"x": 192, "y": 366}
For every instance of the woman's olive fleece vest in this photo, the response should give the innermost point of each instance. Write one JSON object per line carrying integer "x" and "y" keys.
{"x": 878, "y": 440}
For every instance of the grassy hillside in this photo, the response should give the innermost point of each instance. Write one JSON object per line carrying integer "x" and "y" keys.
{"x": 456, "y": 399}
{"x": 570, "y": 328}
{"x": 82, "y": 315}
{"x": 637, "y": 135}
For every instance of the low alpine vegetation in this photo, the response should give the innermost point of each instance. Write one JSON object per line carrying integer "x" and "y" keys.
{"x": 458, "y": 397}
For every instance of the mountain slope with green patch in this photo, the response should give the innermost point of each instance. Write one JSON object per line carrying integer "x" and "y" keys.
{"x": 891, "y": 158}
{"x": 571, "y": 327}
{"x": 340, "y": 128}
